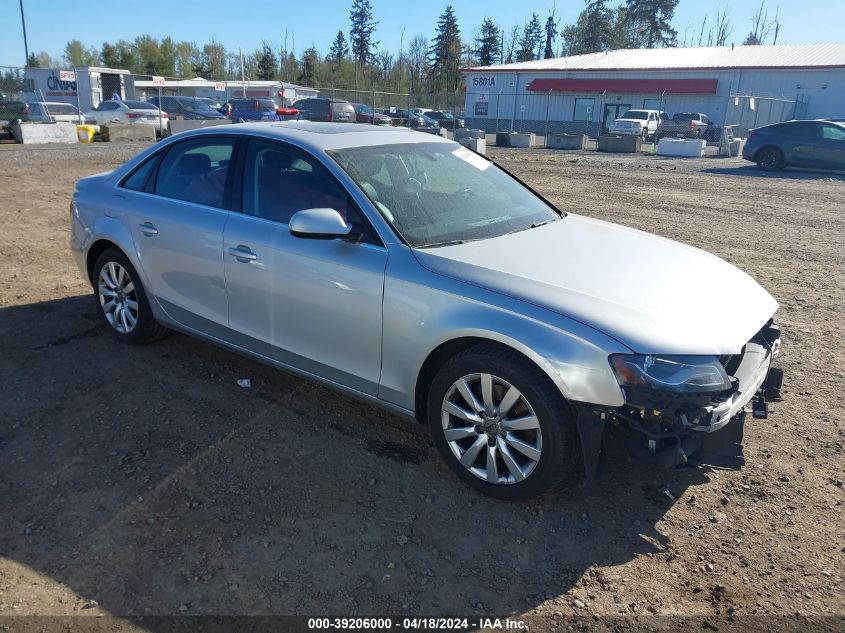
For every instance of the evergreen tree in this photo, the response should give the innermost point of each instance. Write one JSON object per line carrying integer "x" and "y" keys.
{"x": 167, "y": 56}
{"x": 339, "y": 48}
{"x": 361, "y": 31}
{"x": 75, "y": 53}
{"x": 551, "y": 34}
{"x": 32, "y": 61}
{"x": 267, "y": 63}
{"x": 488, "y": 43}
{"x": 650, "y": 22}
{"x": 445, "y": 51}
{"x": 530, "y": 41}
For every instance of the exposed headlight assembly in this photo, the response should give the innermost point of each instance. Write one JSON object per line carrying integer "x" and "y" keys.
{"x": 672, "y": 374}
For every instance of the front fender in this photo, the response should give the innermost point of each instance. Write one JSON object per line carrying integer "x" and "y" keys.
{"x": 423, "y": 310}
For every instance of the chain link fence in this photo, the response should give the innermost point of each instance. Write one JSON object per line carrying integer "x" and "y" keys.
{"x": 555, "y": 113}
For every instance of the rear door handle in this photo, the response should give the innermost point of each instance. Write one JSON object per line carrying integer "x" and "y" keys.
{"x": 148, "y": 229}
{"x": 243, "y": 254}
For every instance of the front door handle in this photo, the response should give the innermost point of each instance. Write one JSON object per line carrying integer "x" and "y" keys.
{"x": 243, "y": 254}
{"x": 148, "y": 229}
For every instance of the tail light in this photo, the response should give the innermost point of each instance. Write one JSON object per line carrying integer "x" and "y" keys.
{"x": 164, "y": 115}
{"x": 692, "y": 125}
{"x": 26, "y": 109}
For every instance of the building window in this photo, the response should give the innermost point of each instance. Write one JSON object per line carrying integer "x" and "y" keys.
{"x": 652, "y": 104}
{"x": 583, "y": 110}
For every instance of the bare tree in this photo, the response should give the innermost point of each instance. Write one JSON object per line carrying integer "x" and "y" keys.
{"x": 761, "y": 26}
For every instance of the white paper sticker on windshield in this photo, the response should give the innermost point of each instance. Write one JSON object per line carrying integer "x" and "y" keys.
{"x": 468, "y": 156}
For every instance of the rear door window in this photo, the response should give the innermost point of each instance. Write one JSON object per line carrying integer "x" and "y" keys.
{"x": 196, "y": 171}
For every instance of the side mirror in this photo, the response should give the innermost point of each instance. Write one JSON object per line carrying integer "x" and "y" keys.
{"x": 318, "y": 224}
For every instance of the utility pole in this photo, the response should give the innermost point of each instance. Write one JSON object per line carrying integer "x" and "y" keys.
{"x": 25, "y": 45}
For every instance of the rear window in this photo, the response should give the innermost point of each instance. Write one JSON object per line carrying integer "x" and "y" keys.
{"x": 684, "y": 116}
{"x": 140, "y": 105}
{"x": 267, "y": 105}
{"x": 635, "y": 114}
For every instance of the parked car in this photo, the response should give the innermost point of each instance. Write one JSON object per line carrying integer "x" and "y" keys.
{"x": 637, "y": 123}
{"x": 47, "y": 111}
{"x": 445, "y": 119}
{"x": 242, "y": 110}
{"x": 129, "y": 112}
{"x": 14, "y": 110}
{"x": 190, "y": 108}
{"x": 816, "y": 144}
{"x": 684, "y": 125}
{"x": 420, "y": 276}
{"x": 323, "y": 109}
{"x": 401, "y": 118}
{"x": 365, "y": 114}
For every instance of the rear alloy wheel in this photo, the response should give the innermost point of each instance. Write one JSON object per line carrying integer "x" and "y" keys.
{"x": 501, "y": 424}
{"x": 121, "y": 300}
{"x": 770, "y": 159}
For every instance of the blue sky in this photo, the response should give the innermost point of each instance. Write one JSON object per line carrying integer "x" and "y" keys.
{"x": 50, "y": 23}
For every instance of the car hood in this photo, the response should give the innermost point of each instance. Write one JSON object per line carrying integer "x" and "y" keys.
{"x": 650, "y": 293}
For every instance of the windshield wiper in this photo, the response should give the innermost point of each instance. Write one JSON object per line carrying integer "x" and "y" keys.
{"x": 451, "y": 242}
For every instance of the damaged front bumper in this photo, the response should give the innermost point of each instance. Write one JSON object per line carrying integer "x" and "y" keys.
{"x": 669, "y": 431}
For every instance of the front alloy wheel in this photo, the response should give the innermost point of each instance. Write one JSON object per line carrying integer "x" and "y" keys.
{"x": 501, "y": 424}
{"x": 491, "y": 429}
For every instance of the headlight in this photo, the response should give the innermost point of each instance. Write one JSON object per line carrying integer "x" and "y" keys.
{"x": 675, "y": 374}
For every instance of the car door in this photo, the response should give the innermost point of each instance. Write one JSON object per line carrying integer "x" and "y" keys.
{"x": 177, "y": 225}
{"x": 804, "y": 144}
{"x": 832, "y": 145}
{"x": 106, "y": 111}
{"x": 315, "y": 305}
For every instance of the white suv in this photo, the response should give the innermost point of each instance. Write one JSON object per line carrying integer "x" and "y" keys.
{"x": 637, "y": 123}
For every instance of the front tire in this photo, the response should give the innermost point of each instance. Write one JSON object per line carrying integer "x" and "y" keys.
{"x": 121, "y": 300}
{"x": 501, "y": 425}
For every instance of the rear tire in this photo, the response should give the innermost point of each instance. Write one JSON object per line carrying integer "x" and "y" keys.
{"x": 517, "y": 443}
{"x": 770, "y": 159}
{"x": 121, "y": 300}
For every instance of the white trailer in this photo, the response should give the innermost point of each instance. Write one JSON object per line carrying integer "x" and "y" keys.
{"x": 82, "y": 87}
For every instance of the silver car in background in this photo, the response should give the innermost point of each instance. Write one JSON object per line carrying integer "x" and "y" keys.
{"x": 413, "y": 273}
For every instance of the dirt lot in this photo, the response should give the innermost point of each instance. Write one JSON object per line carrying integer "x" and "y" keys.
{"x": 144, "y": 481}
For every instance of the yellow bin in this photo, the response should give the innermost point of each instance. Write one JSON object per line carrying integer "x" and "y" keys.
{"x": 85, "y": 133}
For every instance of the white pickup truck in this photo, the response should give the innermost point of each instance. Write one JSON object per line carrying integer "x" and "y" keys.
{"x": 637, "y": 123}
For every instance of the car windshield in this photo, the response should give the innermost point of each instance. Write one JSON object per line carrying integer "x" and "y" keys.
{"x": 440, "y": 193}
{"x": 360, "y": 108}
{"x": 266, "y": 105}
{"x": 684, "y": 116}
{"x": 140, "y": 105}
{"x": 635, "y": 114}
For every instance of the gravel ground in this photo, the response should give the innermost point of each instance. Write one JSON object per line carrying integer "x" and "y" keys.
{"x": 145, "y": 481}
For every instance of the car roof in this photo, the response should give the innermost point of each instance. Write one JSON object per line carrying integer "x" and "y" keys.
{"x": 322, "y": 136}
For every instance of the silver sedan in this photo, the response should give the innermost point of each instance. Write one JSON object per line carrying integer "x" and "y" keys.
{"x": 413, "y": 273}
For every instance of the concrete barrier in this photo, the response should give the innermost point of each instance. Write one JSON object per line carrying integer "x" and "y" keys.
{"x": 681, "y": 147}
{"x": 566, "y": 141}
{"x": 177, "y": 126}
{"x": 478, "y": 145}
{"x": 128, "y": 133}
{"x": 619, "y": 144}
{"x": 461, "y": 133}
{"x": 503, "y": 139}
{"x": 523, "y": 140}
{"x": 34, "y": 133}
